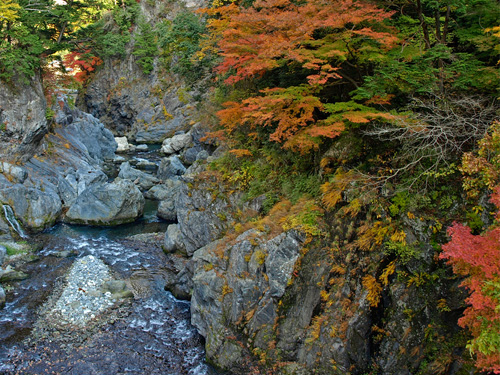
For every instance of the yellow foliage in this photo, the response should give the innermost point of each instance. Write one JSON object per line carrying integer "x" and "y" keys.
{"x": 389, "y": 270}
{"x": 374, "y": 289}
{"x": 371, "y": 236}
{"x": 332, "y": 190}
{"x": 399, "y": 236}
{"x": 315, "y": 329}
{"x": 9, "y": 10}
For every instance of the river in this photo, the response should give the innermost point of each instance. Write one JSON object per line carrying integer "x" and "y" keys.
{"x": 147, "y": 334}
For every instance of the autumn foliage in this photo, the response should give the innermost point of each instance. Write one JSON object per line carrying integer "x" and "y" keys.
{"x": 317, "y": 38}
{"x": 83, "y": 64}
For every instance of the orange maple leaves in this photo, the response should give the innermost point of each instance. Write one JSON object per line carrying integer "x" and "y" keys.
{"x": 316, "y": 36}
{"x": 83, "y": 63}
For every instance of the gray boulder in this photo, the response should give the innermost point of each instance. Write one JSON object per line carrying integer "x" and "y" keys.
{"x": 107, "y": 204}
{"x": 10, "y": 274}
{"x": 143, "y": 180}
{"x": 123, "y": 145}
{"x": 161, "y": 191}
{"x": 23, "y": 113}
{"x": 176, "y": 143}
{"x": 166, "y": 210}
{"x": 173, "y": 240}
{"x": 87, "y": 133}
{"x": 171, "y": 168}
{"x": 36, "y": 209}
{"x": 233, "y": 285}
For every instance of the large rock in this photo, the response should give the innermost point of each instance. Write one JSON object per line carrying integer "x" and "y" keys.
{"x": 162, "y": 191}
{"x": 107, "y": 204}
{"x": 173, "y": 239}
{"x": 142, "y": 179}
{"x": 86, "y": 132}
{"x": 203, "y": 215}
{"x": 22, "y": 114}
{"x": 176, "y": 143}
{"x": 123, "y": 145}
{"x": 167, "y": 208}
{"x": 36, "y": 209}
{"x": 240, "y": 282}
{"x": 171, "y": 168}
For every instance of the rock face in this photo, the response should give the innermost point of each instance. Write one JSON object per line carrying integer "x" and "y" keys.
{"x": 144, "y": 108}
{"x": 22, "y": 117}
{"x": 144, "y": 181}
{"x": 65, "y": 171}
{"x": 107, "y": 204}
{"x": 202, "y": 215}
{"x": 256, "y": 272}
{"x": 292, "y": 303}
{"x": 35, "y": 208}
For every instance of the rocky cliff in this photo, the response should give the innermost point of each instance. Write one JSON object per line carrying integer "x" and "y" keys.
{"x": 145, "y": 107}
{"x": 52, "y": 172}
{"x": 270, "y": 299}
{"x": 22, "y": 118}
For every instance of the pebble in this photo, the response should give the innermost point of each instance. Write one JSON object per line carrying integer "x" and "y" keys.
{"x": 83, "y": 298}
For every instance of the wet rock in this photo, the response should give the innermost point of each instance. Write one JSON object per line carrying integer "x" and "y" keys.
{"x": 36, "y": 209}
{"x": 141, "y": 147}
{"x": 146, "y": 165}
{"x": 144, "y": 181}
{"x": 176, "y": 143}
{"x": 117, "y": 288}
{"x": 123, "y": 145}
{"x": 119, "y": 159}
{"x": 173, "y": 239}
{"x": 107, "y": 204}
{"x": 10, "y": 274}
{"x": 163, "y": 191}
{"x": 171, "y": 168}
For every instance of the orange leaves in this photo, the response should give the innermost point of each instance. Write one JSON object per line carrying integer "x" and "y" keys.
{"x": 287, "y": 111}
{"x": 374, "y": 289}
{"x": 240, "y": 152}
{"x": 272, "y": 33}
{"x": 82, "y": 63}
{"x": 313, "y": 37}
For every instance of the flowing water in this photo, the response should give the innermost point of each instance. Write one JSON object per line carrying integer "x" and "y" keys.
{"x": 149, "y": 334}
{"x": 9, "y": 215}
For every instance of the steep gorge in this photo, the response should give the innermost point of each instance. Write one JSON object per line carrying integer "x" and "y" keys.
{"x": 358, "y": 290}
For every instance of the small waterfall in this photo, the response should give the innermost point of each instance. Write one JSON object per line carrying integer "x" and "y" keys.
{"x": 9, "y": 215}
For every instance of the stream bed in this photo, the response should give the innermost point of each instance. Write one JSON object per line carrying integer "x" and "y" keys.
{"x": 149, "y": 333}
